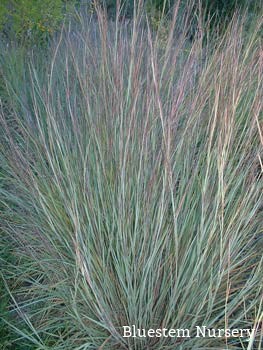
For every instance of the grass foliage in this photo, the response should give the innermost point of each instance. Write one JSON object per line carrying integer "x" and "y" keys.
{"x": 132, "y": 186}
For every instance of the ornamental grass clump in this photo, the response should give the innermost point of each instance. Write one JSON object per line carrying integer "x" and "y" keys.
{"x": 132, "y": 186}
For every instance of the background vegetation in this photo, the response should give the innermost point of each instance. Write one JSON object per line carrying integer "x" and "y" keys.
{"x": 34, "y": 21}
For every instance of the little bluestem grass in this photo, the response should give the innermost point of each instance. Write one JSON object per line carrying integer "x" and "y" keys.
{"x": 133, "y": 185}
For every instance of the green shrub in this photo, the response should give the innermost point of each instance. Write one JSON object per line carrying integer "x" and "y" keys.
{"x": 32, "y": 20}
